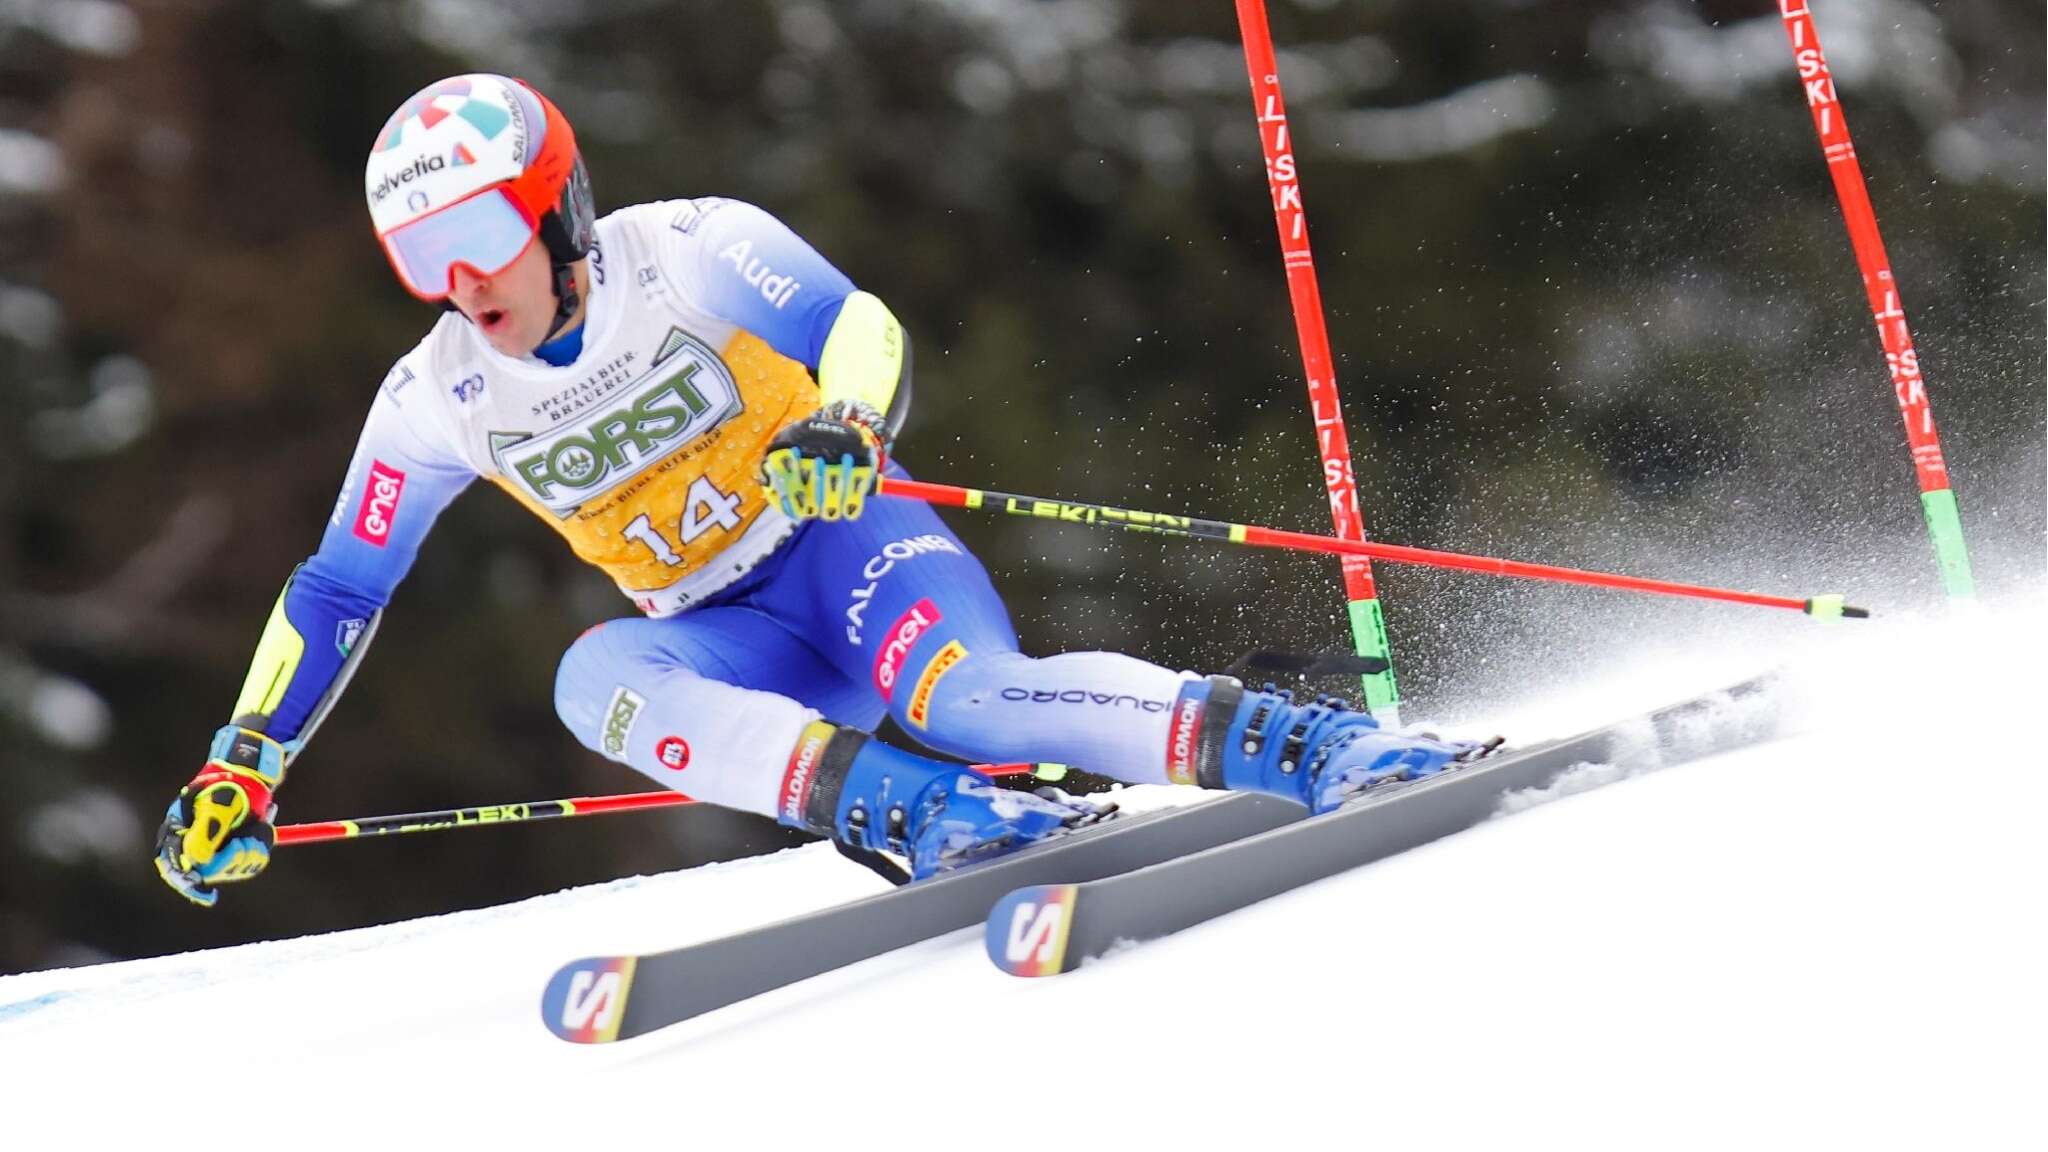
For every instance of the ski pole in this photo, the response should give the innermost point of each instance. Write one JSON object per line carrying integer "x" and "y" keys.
{"x": 1937, "y": 498}
{"x": 547, "y": 810}
{"x": 1826, "y": 606}
{"x": 1283, "y": 180}
{"x": 470, "y": 817}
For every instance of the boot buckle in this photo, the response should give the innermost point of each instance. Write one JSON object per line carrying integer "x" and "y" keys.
{"x": 1292, "y": 747}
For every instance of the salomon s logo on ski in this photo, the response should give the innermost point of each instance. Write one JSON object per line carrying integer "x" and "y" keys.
{"x": 1027, "y": 930}
{"x": 586, "y": 1001}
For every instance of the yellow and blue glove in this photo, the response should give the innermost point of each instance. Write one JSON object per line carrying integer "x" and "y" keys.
{"x": 218, "y": 829}
{"x": 824, "y": 467}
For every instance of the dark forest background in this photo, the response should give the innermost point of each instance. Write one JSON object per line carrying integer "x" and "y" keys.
{"x": 1586, "y": 280}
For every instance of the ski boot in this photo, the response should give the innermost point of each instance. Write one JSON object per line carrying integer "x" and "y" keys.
{"x": 1319, "y": 754}
{"x": 847, "y": 785}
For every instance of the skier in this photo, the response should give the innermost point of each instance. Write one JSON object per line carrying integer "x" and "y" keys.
{"x": 700, "y": 404}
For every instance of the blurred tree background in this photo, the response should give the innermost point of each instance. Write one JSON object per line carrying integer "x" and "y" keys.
{"x": 1587, "y": 283}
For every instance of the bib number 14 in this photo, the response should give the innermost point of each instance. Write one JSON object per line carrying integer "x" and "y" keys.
{"x": 704, "y": 508}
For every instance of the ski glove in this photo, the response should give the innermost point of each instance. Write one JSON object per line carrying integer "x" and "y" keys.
{"x": 824, "y": 467}
{"x": 218, "y": 829}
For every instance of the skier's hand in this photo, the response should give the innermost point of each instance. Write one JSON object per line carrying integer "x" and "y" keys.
{"x": 824, "y": 467}
{"x": 218, "y": 829}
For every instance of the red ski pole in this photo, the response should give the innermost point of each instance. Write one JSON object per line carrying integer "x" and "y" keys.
{"x": 1222, "y": 531}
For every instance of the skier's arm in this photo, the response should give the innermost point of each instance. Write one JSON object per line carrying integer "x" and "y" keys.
{"x": 218, "y": 828}
{"x": 753, "y": 270}
{"x": 397, "y": 484}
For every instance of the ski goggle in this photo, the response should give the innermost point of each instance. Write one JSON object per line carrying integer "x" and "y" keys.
{"x": 485, "y": 232}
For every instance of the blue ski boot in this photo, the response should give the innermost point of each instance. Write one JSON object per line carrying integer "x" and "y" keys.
{"x": 1319, "y": 754}
{"x": 844, "y": 784}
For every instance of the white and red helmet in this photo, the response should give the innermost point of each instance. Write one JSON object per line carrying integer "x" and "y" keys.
{"x": 470, "y": 171}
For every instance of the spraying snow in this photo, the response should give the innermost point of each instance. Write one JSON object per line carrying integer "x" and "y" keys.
{"x": 1829, "y": 941}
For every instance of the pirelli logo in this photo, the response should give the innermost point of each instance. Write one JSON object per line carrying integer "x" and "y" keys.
{"x": 920, "y": 710}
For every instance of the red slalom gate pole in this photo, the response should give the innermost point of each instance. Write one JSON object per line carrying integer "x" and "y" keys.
{"x": 1368, "y": 621}
{"x": 1829, "y": 606}
{"x": 1937, "y": 499}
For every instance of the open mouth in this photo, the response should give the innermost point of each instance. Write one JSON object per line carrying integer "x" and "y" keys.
{"x": 492, "y": 320}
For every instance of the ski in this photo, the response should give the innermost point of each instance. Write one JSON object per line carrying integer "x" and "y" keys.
{"x": 605, "y": 998}
{"x": 1054, "y": 927}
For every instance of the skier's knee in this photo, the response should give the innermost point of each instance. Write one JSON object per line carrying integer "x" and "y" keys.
{"x": 576, "y": 700}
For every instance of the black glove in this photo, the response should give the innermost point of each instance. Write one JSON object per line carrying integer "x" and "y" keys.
{"x": 824, "y": 467}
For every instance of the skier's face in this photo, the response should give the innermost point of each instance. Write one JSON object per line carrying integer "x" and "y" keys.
{"x": 515, "y": 308}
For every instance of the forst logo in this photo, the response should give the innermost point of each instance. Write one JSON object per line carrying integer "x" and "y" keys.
{"x": 380, "y": 504}
{"x": 582, "y": 461}
{"x": 392, "y": 181}
{"x": 619, "y": 718}
{"x": 569, "y": 465}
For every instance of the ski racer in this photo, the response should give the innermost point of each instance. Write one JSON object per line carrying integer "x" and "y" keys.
{"x": 700, "y": 404}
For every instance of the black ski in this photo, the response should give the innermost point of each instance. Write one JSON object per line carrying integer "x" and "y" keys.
{"x": 606, "y": 998}
{"x": 1053, "y": 927}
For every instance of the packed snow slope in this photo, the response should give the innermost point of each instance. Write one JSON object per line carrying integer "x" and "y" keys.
{"x": 1831, "y": 941}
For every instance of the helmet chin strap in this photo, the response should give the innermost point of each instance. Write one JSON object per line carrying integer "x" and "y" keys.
{"x": 567, "y": 299}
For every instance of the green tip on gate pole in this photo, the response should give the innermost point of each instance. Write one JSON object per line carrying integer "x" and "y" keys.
{"x": 1945, "y": 525}
{"x": 1369, "y": 635}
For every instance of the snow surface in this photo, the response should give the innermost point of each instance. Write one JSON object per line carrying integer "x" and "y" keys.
{"x": 1832, "y": 941}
